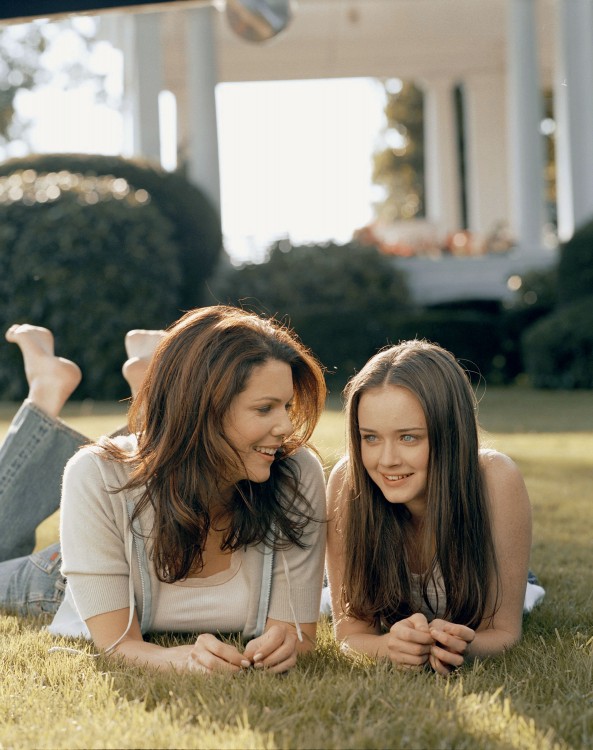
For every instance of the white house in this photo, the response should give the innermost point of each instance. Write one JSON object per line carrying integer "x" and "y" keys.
{"x": 502, "y": 53}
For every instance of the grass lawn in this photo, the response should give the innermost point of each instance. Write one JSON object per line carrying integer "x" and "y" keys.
{"x": 539, "y": 695}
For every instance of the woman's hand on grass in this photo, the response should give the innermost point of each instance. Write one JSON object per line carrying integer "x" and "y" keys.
{"x": 275, "y": 650}
{"x": 409, "y": 642}
{"x": 450, "y": 644}
{"x": 212, "y": 655}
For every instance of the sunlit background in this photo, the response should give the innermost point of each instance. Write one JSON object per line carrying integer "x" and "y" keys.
{"x": 295, "y": 156}
{"x": 443, "y": 183}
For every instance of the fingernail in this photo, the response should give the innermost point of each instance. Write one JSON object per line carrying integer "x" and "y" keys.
{"x": 245, "y": 663}
{"x": 258, "y": 657}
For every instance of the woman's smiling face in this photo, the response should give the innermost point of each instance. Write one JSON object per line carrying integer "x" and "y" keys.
{"x": 394, "y": 445}
{"x": 257, "y": 422}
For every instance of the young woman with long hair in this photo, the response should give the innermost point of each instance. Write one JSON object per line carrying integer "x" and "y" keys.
{"x": 428, "y": 535}
{"x": 207, "y": 517}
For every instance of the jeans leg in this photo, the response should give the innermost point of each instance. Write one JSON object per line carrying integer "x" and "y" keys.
{"x": 32, "y": 585}
{"x": 32, "y": 460}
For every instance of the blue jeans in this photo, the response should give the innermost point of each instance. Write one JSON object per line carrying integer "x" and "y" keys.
{"x": 32, "y": 460}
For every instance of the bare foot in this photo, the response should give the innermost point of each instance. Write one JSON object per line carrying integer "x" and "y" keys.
{"x": 141, "y": 343}
{"x": 140, "y": 346}
{"x": 51, "y": 379}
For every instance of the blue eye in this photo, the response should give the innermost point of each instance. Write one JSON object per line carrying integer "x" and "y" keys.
{"x": 368, "y": 438}
{"x": 408, "y": 438}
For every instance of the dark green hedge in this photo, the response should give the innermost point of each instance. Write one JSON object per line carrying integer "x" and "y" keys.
{"x": 345, "y": 340}
{"x": 476, "y": 338}
{"x": 87, "y": 262}
{"x": 558, "y": 350}
{"x": 315, "y": 278}
{"x": 335, "y": 297}
{"x": 347, "y": 301}
{"x": 575, "y": 270}
{"x": 536, "y": 298}
{"x": 195, "y": 224}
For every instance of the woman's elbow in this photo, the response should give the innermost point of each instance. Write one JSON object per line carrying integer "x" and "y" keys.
{"x": 513, "y": 637}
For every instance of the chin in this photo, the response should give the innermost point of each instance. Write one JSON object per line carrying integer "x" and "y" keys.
{"x": 258, "y": 476}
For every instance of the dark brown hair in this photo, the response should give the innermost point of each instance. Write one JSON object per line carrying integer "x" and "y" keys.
{"x": 457, "y": 537}
{"x": 204, "y": 360}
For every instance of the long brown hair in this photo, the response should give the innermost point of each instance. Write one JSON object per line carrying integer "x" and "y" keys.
{"x": 456, "y": 532}
{"x": 204, "y": 360}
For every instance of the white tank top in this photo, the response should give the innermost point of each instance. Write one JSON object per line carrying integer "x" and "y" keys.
{"x": 214, "y": 604}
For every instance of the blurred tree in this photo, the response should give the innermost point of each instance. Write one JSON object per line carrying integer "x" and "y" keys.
{"x": 29, "y": 58}
{"x": 399, "y": 167}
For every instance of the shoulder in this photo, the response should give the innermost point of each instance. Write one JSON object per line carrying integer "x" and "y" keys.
{"x": 84, "y": 460}
{"x": 125, "y": 443}
{"x": 93, "y": 464}
{"x": 337, "y": 484}
{"x": 504, "y": 483}
{"x": 490, "y": 456}
{"x": 307, "y": 461}
{"x": 497, "y": 467}
{"x": 309, "y": 471}
{"x": 338, "y": 473}
{"x": 95, "y": 451}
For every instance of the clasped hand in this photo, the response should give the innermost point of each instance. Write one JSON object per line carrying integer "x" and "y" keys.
{"x": 274, "y": 650}
{"x": 414, "y": 641}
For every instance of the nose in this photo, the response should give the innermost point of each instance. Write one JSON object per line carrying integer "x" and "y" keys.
{"x": 389, "y": 455}
{"x": 284, "y": 426}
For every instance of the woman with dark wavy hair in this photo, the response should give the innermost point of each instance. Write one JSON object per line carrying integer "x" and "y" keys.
{"x": 207, "y": 517}
{"x": 429, "y": 536}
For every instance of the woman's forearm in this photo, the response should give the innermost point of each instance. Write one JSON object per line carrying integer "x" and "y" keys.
{"x": 141, "y": 653}
{"x": 491, "y": 642}
{"x": 368, "y": 644}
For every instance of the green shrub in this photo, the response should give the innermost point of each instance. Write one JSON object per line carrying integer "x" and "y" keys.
{"x": 475, "y": 337}
{"x": 538, "y": 291}
{"x": 348, "y": 301}
{"x": 194, "y": 223}
{"x": 89, "y": 259}
{"x": 575, "y": 270}
{"x": 316, "y": 278}
{"x": 536, "y": 298}
{"x": 558, "y": 350}
{"x": 339, "y": 298}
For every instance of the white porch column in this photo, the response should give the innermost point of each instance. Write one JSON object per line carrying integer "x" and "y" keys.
{"x": 526, "y": 147}
{"x": 574, "y": 114}
{"x": 441, "y": 164}
{"x": 143, "y": 76}
{"x": 202, "y": 80}
{"x": 486, "y": 148}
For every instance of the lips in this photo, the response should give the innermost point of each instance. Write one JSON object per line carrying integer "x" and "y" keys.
{"x": 395, "y": 477}
{"x": 266, "y": 451}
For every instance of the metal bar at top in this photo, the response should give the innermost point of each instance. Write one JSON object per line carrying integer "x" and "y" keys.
{"x": 26, "y": 10}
